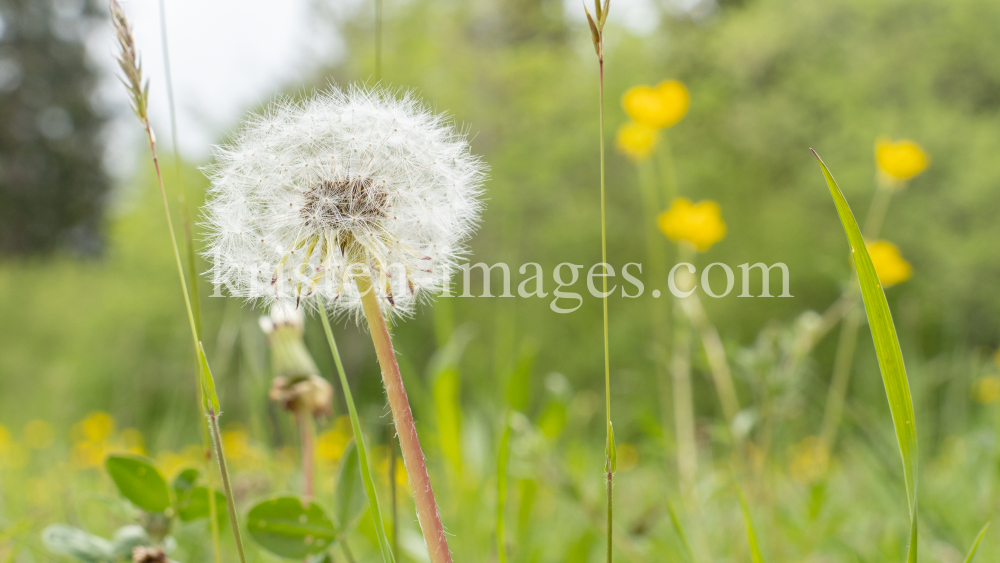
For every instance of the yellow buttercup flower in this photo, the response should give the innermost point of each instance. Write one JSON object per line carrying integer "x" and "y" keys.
{"x": 699, "y": 224}
{"x": 636, "y": 141}
{"x": 890, "y": 265}
{"x": 900, "y": 160}
{"x": 658, "y": 107}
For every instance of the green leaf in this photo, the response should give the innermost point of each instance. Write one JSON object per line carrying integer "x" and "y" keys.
{"x": 448, "y": 412}
{"x": 208, "y": 383}
{"x": 755, "y": 555}
{"x": 519, "y": 383}
{"x": 288, "y": 528}
{"x": 139, "y": 481}
{"x": 610, "y": 451}
{"x": 185, "y": 481}
{"x": 975, "y": 544}
{"x": 349, "y": 502}
{"x": 890, "y": 357}
{"x": 74, "y": 542}
{"x": 195, "y": 505}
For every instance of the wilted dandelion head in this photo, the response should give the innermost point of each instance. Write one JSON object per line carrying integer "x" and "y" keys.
{"x": 699, "y": 224}
{"x": 310, "y": 195}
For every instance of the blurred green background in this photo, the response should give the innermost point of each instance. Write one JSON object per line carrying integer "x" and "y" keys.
{"x": 768, "y": 80}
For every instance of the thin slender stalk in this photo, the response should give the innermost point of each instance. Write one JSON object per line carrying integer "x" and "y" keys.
{"x": 306, "y": 434}
{"x": 687, "y": 453}
{"x": 192, "y": 272}
{"x": 213, "y": 417}
{"x": 413, "y": 456}
{"x": 609, "y": 463}
{"x": 716, "y": 354}
{"x": 393, "y": 505}
{"x": 502, "y": 461}
{"x": 359, "y": 440}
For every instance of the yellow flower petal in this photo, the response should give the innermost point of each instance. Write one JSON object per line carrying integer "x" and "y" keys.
{"x": 658, "y": 107}
{"x": 900, "y": 160}
{"x": 890, "y": 265}
{"x": 636, "y": 141}
{"x": 699, "y": 223}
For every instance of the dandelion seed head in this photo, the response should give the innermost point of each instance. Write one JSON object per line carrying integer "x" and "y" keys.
{"x": 310, "y": 194}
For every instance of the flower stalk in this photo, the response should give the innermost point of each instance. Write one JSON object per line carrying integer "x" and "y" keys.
{"x": 413, "y": 456}
{"x": 596, "y": 23}
{"x": 128, "y": 61}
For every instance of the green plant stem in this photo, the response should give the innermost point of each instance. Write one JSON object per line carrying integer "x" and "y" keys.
{"x": 680, "y": 368}
{"x": 359, "y": 440}
{"x": 306, "y": 438}
{"x": 413, "y": 456}
{"x": 665, "y": 160}
{"x": 716, "y": 354}
{"x": 610, "y": 461}
{"x": 393, "y": 504}
{"x": 660, "y": 308}
{"x": 213, "y": 417}
{"x": 502, "y": 461}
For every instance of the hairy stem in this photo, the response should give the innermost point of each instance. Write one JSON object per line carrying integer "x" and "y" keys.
{"x": 413, "y": 456}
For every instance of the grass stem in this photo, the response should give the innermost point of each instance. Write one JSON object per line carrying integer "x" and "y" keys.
{"x": 359, "y": 440}
{"x": 227, "y": 486}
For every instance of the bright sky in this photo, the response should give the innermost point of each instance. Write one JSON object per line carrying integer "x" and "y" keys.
{"x": 228, "y": 56}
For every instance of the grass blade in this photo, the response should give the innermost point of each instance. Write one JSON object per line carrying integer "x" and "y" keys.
{"x": 890, "y": 357}
{"x": 755, "y": 555}
{"x": 366, "y": 475}
{"x": 502, "y": 462}
{"x": 679, "y": 530}
{"x": 975, "y": 544}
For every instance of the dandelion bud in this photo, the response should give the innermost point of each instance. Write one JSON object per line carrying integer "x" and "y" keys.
{"x": 311, "y": 394}
{"x": 149, "y": 555}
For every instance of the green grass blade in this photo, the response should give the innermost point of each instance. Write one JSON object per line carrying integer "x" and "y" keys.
{"x": 679, "y": 530}
{"x": 366, "y": 475}
{"x": 502, "y": 462}
{"x": 755, "y": 555}
{"x": 890, "y": 357}
{"x": 975, "y": 544}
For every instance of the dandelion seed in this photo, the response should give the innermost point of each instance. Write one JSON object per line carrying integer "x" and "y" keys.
{"x": 385, "y": 197}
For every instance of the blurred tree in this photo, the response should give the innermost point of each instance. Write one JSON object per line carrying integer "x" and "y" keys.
{"x": 52, "y": 184}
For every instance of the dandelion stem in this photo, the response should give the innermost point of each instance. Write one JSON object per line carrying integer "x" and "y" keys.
{"x": 413, "y": 456}
{"x": 359, "y": 441}
{"x": 213, "y": 417}
{"x": 306, "y": 432}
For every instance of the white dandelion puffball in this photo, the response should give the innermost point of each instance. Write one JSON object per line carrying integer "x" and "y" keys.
{"x": 309, "y": 195}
